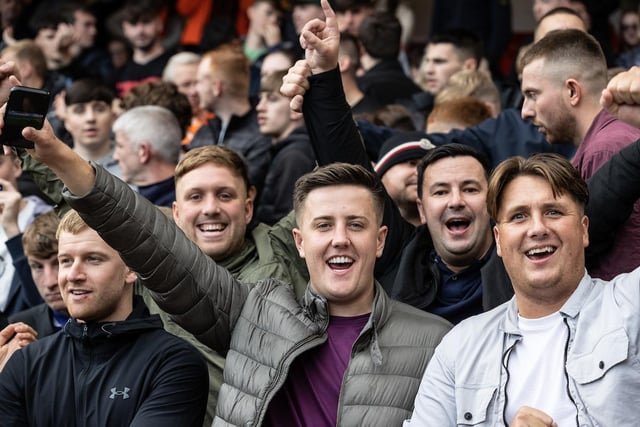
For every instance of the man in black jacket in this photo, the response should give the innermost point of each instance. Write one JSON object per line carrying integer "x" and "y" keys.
{"x": 113, "y": 363}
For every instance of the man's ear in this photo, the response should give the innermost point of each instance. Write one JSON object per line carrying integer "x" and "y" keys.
{"x": 144, "y": 152}
{"x": 496, "y": 236}
{"x": 297, "y": 237}
{"x": 574, "y": 91}
{"x": 470, "y": 64}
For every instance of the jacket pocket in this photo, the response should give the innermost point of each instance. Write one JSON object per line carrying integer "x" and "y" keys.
{"x": 610, "y": 350}
{"x": 472, "y": 404}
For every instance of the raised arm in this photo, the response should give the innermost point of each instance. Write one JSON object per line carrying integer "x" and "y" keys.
{"x": 315, "y": 88}
{"x": 201, "y": 296}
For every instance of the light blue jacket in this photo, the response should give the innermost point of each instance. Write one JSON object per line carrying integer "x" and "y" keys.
{"x": 465, "y": 381}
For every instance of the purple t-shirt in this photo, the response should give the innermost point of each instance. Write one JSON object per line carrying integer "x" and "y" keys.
{"x": 310, "y": 394}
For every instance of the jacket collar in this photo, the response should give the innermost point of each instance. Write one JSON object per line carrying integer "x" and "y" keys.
{"x": 571, "y": 307}
{"x": 138, "y": 320}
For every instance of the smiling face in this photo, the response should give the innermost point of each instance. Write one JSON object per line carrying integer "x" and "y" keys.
{"x": 340, "y": 238}
{"x": 541, "y": 240}
{"x": 95, "y": 284}
{"x": 213, "y": 209}
{"x": 545, "y": 104}
{"x": 453, "y": 206}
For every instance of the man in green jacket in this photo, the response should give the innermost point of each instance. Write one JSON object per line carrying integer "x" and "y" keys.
{"x": 214, "y": 208}
{"x": 341, "y": 352}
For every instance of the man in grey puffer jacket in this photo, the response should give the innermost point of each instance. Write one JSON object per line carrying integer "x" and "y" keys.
{"x": 340, "y": 353}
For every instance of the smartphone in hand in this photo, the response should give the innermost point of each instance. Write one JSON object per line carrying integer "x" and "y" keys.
{"x": 26, "y": 107}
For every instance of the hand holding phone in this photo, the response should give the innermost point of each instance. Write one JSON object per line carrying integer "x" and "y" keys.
{"x": 27, "y": 107}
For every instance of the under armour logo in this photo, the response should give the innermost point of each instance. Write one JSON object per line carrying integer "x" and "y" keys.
{"x": 124, "y": 393}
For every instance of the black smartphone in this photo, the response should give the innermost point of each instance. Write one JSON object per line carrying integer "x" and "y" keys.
{"x": 26, "y": 107}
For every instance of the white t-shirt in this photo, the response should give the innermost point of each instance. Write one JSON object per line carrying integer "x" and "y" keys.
{"x": 537, "y": 370}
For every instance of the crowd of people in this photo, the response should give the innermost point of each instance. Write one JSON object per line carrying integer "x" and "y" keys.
{"x": 277, "y": 213}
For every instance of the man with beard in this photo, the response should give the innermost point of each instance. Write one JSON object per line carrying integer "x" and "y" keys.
{"x": 563, "y": 77}
{"x": 397, "y": 169}
{"x": 142, "y": 25}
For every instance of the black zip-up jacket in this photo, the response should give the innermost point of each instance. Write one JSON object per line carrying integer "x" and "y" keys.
{"x": 291, "y": 157}
{"x": 129, "y": 373}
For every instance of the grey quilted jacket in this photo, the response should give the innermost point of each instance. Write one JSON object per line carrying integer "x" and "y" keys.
{"x": 262, "y": 328}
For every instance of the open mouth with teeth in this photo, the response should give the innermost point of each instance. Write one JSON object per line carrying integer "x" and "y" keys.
{"x": 540, "y": 253}
{"x": 211, "y": 228}
{"x": 458, "y": 224}
{"x": 340, "y": 262}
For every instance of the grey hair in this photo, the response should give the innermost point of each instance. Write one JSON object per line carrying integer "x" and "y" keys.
{"x": 181, "y": 58}
{"x": 154, "y": 125}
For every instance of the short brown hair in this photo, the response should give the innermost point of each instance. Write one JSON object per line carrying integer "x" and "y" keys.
{"x": 556, "y": 170}
{"x": 339, "y": 174}
{"x": 39, "y": 239}
{"x": 28, "y": 51}
{"x": 219, "y": 156}
{"x": 474, "y": 83}
{"x": 272, "y": 82}
{"x": 462, "y": 112}
{"x": 163, "y": 94}
{"x": 71, "y": 223}
{"x": 577, "y": 53}
{"x": 230, "y": 61}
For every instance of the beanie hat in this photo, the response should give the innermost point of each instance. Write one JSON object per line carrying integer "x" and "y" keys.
{"x": 401, "y": 148}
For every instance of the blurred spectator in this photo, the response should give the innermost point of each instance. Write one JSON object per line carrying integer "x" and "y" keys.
{"x": 120, "y": 51}
{"x": 629, "y": 52}
{"x": 291, "y": 152}
{"x": 350, "y": 14}
{"x": 88, "y": 116}
{"x": 458, "y": 113}
{"x": 445, "y": 55}
{"x": 163, "y": 94}
{"x": 40, "y": 247}
{"x": 16, "y": 214}
{"x": 349, "y": 64}
{"x": 397, "y": 168}
{"x": 147, "y": 151}
{"x": 84, "y": 51}
{"x": 182, "y": 70}
{"x": 475, "y": 84}
{"x": 384, "y": 78}
{"x": 142, "y": 25}
{"x": 489, "y": 20}
{"x": 223, "y": 87}
{"x": 278, "y": 60}
{"x": 304, "y": 11}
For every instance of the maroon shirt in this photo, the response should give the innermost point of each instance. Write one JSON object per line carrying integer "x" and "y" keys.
{"x": 605, "y": 137}
{"x": 310, "y": 394}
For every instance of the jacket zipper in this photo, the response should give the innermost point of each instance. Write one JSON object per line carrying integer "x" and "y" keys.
{"x": 280, "y": 379}
{"x": 81, "y": 416}
{"x": 566, "y": 374}
{"x": 505, "y": 364}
